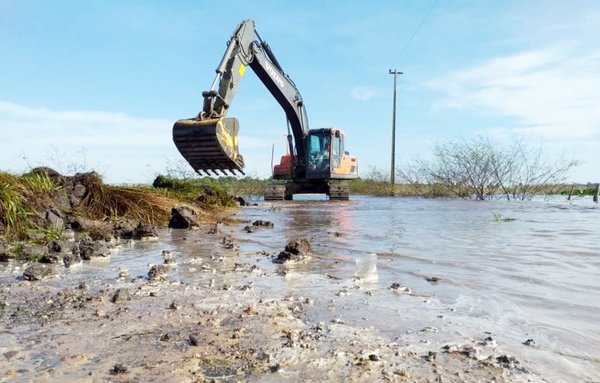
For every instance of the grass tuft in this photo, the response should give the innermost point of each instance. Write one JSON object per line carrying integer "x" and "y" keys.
{"x": 106, "y": 202}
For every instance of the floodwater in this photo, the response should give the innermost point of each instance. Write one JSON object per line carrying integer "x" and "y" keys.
{"x": 515, "y": 271}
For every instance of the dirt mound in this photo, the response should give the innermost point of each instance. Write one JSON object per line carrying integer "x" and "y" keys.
{"x": 54, "y": 218}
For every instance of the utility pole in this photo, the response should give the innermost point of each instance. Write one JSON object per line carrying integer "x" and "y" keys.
{"x": 393, "y": 167}
{"x": 272, "y": 156}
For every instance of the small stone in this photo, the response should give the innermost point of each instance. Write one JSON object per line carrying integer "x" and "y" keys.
{"x": 157, "y": 272}
{"x": 431, "y": 356}
{"x": 250, "y": 310}
{"x": 9, "y": 354}
{"x": 374, "y": 358}
{"x": 144, "y": 232}
{"x": 262, "y": 223}
{"x": 397, "y": 287}
{"x": 164, "y": 337}
{"x": 183, "y": 217}
{"x": 193, "y": 340}
{"x": 168, "y": 257}
{"x": 37, "y": 272}
{"x": 530, "y": 342}
{"x": 70, "y": 259}
{"x": 118, "y": 369}
{"x": 489, "y": 341}
{"x": 121, "y": 295}
{"x": 123, "y": 273}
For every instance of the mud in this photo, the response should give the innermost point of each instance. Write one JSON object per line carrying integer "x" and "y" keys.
{"x": 215, "y": 314}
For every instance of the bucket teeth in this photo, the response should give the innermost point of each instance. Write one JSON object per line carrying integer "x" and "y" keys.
{"x": 209, "y": 145}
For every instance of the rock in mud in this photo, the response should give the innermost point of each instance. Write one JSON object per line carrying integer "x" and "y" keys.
{"x": 250, "y": 229}
{"x": 145, "y": 232}
{"x": 123, "y": 229}
{"x": 168, "y": 258}
{"x": 241, "y": 201}
{"x": 54, "y": 217}
{"x": 88, "y": 249}
{"x": 530, "y": 342}
{"x": 300, "y": 246}
{"x": 118, "y": 369}
{"x": 38, "y": 272}
{"x": 193, "y": 340}
{"x": 295, "y": 251}
{"x": 374, "y": 358}
{"x": 262, "y": 223}
{"x": 183, "y": 217}
{"x": 257, "y": 225}
{"x": 509, "y": 362}
{"x": 72, "y": 258}
{"x": 50, "y": 258}
{"x": 96, "y": 230}
{"x": 5, "y": 254}
{"x": 56, "y": 246}
{"x": 121, "y": 295}
{"x": 230, "y": 243}
{"x": 157, "y": 272}
{"x": 397, "y": 287}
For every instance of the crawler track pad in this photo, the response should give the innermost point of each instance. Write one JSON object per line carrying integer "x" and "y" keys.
{"x": 209, "y": 145}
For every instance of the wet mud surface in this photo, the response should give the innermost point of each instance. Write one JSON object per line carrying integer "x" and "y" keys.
{"x": 210, "y": 304}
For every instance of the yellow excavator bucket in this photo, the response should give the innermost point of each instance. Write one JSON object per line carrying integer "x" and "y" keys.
{"x": 209, "y": 144}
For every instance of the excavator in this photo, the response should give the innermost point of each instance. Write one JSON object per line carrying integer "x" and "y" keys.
{"x": 316, "y": 160}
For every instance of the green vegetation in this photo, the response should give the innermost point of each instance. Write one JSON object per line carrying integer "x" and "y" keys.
{"x": 500, "y": 218}
{"x": 206, "y": 191}
{"x": 20, "y": 200}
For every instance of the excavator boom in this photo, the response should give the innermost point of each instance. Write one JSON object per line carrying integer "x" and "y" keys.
{"x": 209, "y": 140}
{"x": 316, "y": 161}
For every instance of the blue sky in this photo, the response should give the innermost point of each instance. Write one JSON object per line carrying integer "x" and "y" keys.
{"x": 99, "y": 84}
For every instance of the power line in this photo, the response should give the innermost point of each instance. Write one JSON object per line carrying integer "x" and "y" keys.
{"x": 416, "y": 31}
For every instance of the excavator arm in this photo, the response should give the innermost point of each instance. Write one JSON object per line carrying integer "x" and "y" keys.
{"x": 209, "y": 141}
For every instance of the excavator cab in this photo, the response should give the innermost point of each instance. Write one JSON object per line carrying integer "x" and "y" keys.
{"x": 326, "y": 157}
{"x": 319, "y": 153}
{"x": 209, "y": 144}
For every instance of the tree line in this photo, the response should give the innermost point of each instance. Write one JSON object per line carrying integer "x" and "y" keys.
{"x": 479, "y": 168}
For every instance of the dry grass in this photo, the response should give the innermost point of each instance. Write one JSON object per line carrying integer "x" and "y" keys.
{"x": 142, "y": 204}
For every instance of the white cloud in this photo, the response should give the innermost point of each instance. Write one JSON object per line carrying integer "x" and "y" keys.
{"x": 125, "y": 148}
{"x": 552, "y": 93}
{"x": 363, "y": 93}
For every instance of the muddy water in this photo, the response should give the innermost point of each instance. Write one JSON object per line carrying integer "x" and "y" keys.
{"x": 533, "y": 272}
{"x": 510, "y": 271}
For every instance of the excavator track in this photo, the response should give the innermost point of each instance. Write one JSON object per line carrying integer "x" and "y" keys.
{"x": 209, "y": 145}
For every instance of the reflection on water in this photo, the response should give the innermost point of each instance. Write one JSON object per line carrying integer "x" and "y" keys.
{"x": 535, "y": 277}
